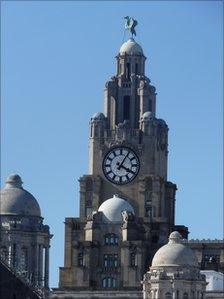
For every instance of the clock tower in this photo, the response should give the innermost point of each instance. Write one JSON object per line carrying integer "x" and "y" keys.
{"x": 127, "y": 205}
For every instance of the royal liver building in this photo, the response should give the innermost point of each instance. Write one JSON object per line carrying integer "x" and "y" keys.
{"x": 127, "y": 203}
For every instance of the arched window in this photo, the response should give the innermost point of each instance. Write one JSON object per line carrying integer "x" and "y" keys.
{"x": 185, "y": 296}
{"x": 128, "y": 70}
{"x": 126, "y": 108}
{"x": 110, "y": 260}
{"x": 111, "y": 239}
{"x": 168, "y": 295}
{"x": 109, "y": 282}
{"x": 4, "y": 254}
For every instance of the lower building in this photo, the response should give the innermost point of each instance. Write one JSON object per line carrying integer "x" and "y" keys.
{"x": 24, "y": 238}
{"x": 174, "y": 273}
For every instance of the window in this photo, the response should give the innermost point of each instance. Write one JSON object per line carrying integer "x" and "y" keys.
{"x": 136, "y": 68}
{"x": 133, "y": 259}
{"x": 88, "y": 211}
{"x": 111, "y": 239}
{"x": 80, "y": 259}
{"x": 109, "y": 282}
{"x": 185, "y": 296}
{"x": 168, "y": 295}
{"x": 128, "y": 70}
{"x": 110, "y": 260}
{"x": 150, "y": 105}
{"x": 126, "y": 108}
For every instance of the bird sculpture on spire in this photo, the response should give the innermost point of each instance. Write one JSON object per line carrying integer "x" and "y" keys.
{"x": 130, "y": 25}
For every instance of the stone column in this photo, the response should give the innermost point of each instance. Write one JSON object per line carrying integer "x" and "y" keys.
{"x": 46, "y": 267}
{"x": 35, "y": 264}
{"x": 40, "y": 264}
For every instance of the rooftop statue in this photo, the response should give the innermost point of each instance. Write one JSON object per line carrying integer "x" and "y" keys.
{"x": 130, "y": 25}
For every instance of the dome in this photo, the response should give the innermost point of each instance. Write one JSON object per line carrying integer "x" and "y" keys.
{"x": 98, "y": 116}
{"x": 175, "y": 253}
{"x": 113, "y": 207}
{"x": 14, "y": 200}
{"x": 148, "y": 115}
{"x": 131, "y": 47}
{"x": 161, "y": 122}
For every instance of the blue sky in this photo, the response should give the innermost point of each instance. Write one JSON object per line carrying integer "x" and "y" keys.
{"x": 56, "y": 58}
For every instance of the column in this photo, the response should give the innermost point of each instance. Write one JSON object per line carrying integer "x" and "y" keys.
{"x": 40, "y": 264}
{"x": 46, "y": 267}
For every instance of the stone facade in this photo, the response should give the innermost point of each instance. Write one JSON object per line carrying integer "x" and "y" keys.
{"x": 108, "y": 258}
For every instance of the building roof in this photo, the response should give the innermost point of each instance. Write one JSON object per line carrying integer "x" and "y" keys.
{"x": 131, "y": 47}
{"x": 175, "y": 253}
{"x": 15, "y": 200}
{"x": 113, "y": 207}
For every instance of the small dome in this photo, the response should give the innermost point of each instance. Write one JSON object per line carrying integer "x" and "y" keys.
{"x": 98, "y": 116}
{"x": 148, "y": 115}
{"x": 175, "y": 253}
{"x": 131, "y": 47}
{"x": 113, "y": 207}
{"x": 161, "y": 122}
{"x": 14, "y": 200}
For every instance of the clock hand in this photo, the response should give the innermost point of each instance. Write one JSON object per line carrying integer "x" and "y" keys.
{"x": 127, "y": 169}
{"x": 122, "y": 162}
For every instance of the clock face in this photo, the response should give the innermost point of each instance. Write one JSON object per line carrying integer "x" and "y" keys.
{"x": 121, "y": 165}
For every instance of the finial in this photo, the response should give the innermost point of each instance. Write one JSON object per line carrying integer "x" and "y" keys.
{"x": 13, "y": 181}
{"x": 175, "y": 237}
{"x": 130, "y": 25}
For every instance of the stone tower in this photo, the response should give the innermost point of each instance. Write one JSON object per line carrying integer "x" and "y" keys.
{"x": 126, "y": 202}
{"x": 24, "y": 239}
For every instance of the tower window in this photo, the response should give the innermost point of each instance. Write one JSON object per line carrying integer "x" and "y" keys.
{"x": 110, "y": 260}
{"x": 150, "y": 105}
{"x": 111, "y": 239}
{"x": 128, "y": 70}
{"x": 109, "y": 282}
{"x": 126, "y": 108}
{"x": 136, "y": 68}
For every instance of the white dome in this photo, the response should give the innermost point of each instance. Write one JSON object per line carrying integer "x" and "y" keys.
{"x": 175, "y": 253}
{"x": 113, "y": 207}
{"x": 14, "y": 200}
{"x": 148, "y": 115}
{"x": 131, "y": 47}
{"x": 98, "y": 116}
